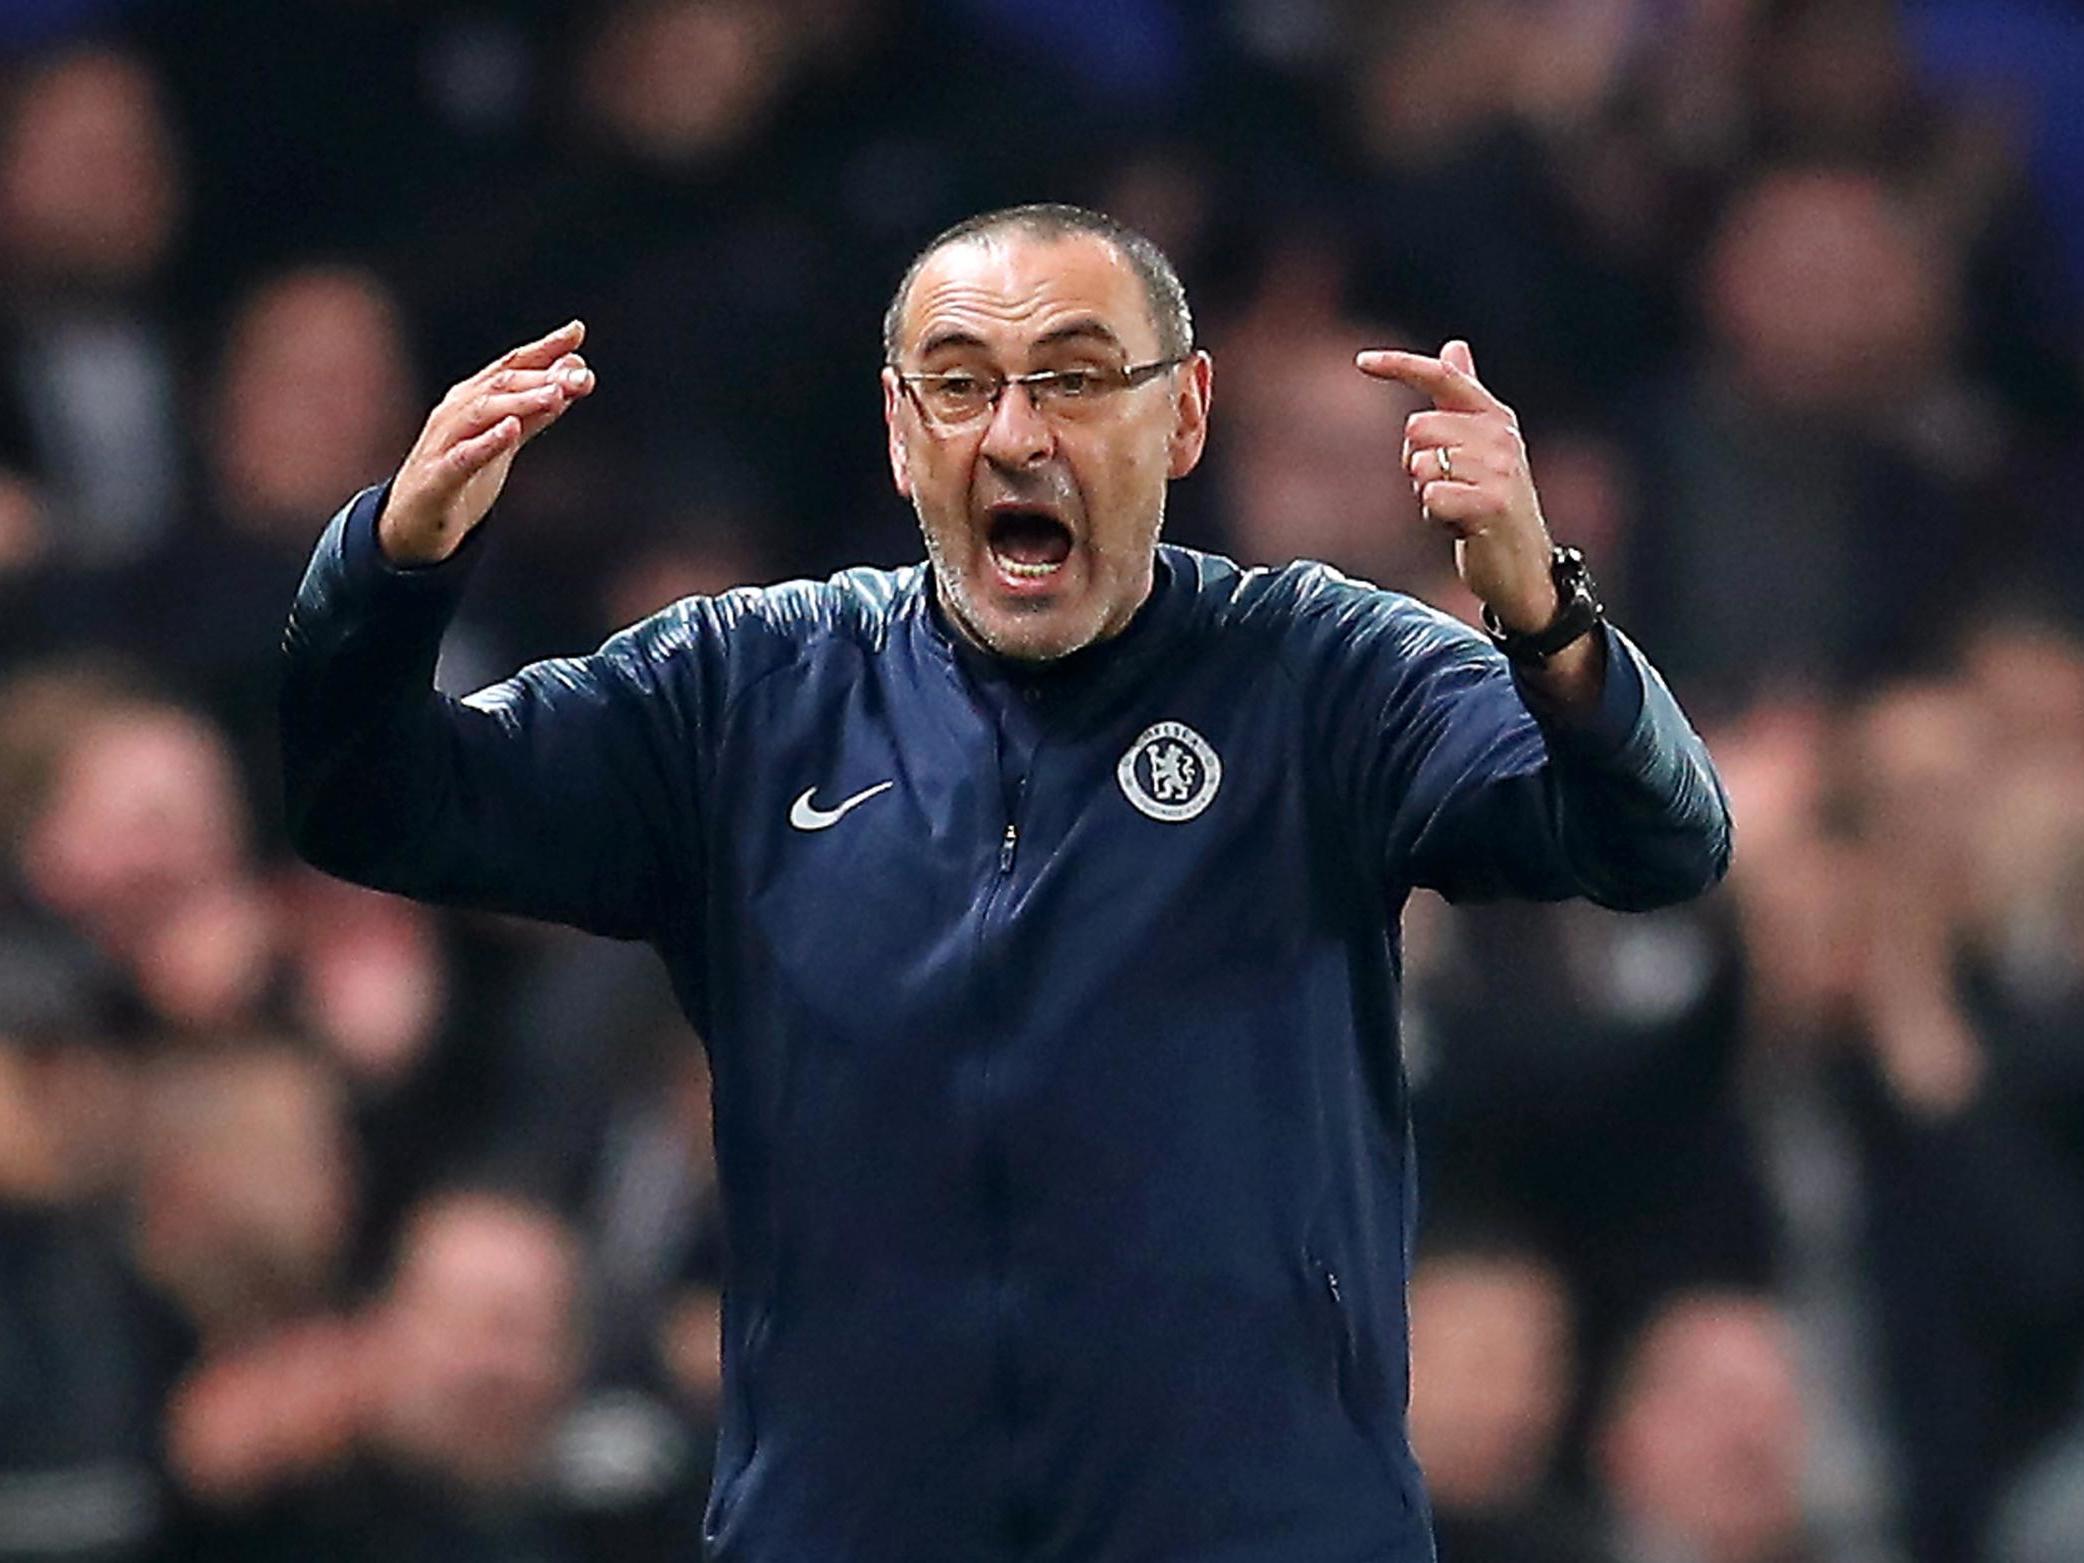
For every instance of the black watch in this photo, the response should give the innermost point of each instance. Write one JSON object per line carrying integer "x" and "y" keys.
{"x": 1578, "y": 612}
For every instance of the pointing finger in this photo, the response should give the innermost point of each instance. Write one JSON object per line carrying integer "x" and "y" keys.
{"x": 1448, "y": 386}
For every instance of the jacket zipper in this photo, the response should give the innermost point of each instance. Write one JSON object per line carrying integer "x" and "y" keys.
{"x": 993, "y": 1169}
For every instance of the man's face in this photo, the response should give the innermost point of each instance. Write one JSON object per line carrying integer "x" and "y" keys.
{"x": 1041, "y": 525}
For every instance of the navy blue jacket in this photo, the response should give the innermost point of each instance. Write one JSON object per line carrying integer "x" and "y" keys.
{"x": 1052, "y": 1016}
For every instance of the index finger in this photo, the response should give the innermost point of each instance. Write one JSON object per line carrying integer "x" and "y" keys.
{"x": 1448, "y": 386}
{"x": 545, "y": 351}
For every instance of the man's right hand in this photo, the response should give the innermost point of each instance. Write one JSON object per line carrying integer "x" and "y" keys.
{"x": 460, "y": 462}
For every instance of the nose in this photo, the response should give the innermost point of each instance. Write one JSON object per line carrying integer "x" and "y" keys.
{"x": 1017, "y": 435}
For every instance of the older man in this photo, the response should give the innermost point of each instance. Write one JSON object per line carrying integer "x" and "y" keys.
{"x": 1038, "y": 905}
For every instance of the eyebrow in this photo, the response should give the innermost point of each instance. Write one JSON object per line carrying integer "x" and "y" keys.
{"x": 1087, "y": 328}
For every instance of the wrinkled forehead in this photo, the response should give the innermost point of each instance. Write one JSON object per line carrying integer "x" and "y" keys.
{"x": 1010, "y": 293}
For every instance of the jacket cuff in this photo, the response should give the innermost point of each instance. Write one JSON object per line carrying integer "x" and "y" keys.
{"x": 1609, "y": 726}
{"x": 369, "y": 570}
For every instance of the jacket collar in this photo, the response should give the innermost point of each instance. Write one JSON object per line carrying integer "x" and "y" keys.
{"x": 1087, "y": 676}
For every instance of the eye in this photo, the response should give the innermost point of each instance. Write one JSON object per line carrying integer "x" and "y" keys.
{"x": 957, "y": 391}
{"x": 1074, "y": 383}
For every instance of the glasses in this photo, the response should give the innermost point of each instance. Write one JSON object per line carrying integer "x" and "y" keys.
{"x": 962, "y": 398}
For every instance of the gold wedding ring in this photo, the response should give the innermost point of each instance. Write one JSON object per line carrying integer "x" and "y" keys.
{"x": 1446, "y": 465}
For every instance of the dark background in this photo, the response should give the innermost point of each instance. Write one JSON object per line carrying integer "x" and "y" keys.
{"x": 332, "y": 1227}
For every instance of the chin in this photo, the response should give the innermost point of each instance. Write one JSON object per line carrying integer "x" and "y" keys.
{"x": 1029, "y": 637}
{"x": 1046, "y": 627}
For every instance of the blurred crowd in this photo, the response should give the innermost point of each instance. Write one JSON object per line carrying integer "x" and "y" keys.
{"x": 331, "y": 1227}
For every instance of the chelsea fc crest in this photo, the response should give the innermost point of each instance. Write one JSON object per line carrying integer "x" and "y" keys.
{"x": 1170, "y": 773}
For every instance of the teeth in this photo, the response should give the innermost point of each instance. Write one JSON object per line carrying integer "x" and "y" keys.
{"x": 1028, "y": 572}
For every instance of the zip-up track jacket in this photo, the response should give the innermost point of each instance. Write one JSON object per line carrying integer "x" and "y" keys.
{"x": 1052, "y": 1017}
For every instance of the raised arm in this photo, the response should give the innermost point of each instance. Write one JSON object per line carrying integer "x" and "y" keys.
{"x": 1573, "y": 775}
{"x": 564, "y": 793}
{"x": 1486, "y": 789}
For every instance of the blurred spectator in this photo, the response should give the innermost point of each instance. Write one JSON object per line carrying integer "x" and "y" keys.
{"x": 129, "y": 822}
{"x": 1810, "y": 530}
{"x": 1592, "y": 1100}
{"x": 1970, "y": 1118}
{"x": 483, "y": 1333}
{"x": 1700, "y": 1457}
{"x": 314, "y": 398}
{"x": 1491, "y": 1382}
{"x": 438, "y": 1406}
{"x": 84, "y": 1357}
{"x": 1460, "y": 228}
{"x": 245, "y": 1198}
{"x": 91, "y": 202}
{"x": 1329, "y": 485}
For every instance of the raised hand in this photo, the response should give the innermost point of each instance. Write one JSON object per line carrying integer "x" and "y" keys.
{"x": 460, "y": 462}
{"x": 1468, "y": 466}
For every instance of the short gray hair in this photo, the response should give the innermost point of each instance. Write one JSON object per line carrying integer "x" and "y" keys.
{"x": 1162, "y": 289}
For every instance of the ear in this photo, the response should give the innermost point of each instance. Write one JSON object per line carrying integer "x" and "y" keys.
{"x": 1190, "y": 415}
{"x": 894, "y": 427}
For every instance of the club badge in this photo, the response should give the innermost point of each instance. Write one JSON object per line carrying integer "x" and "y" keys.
{"x": 1170, "y": 772}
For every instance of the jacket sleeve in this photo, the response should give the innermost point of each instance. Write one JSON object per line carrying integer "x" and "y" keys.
{"x": 1481, "y": 795}
{"x": 565, "y": 793}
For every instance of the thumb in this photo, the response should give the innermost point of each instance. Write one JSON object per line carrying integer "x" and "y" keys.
{"x": 1457, "y": 355}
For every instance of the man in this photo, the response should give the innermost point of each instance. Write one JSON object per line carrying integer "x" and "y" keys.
{"x": 1038, "y": 905}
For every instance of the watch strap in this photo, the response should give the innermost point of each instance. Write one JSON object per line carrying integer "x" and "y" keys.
{"x": 1578, "y": 612}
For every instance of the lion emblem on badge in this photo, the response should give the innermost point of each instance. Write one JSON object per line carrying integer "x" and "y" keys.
{"x": 1170, "y": 773}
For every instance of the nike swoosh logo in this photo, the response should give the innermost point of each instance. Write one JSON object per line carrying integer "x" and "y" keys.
{"x": 804, "y": 816}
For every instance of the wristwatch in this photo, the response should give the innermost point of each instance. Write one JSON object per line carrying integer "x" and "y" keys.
{"x": 1578, "y": 612}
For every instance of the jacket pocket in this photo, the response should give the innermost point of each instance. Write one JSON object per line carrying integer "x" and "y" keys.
{"x": 1355, "y": 1373}
{"x": 1359, "y": 1382}
{"x": 740, "y": 1435}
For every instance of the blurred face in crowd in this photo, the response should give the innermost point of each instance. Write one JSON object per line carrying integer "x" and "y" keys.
{"x": 316, "y": 396}
{"x": 246, "y": 1196}
{"x": 1041, "y": 524}
{"x": 88, "y": 186}
{"x": 683, "y": 81}
{"x": 143, "y": 810}
{"x": 1704, "y": 1451}
{"x": 1409, "y": 111}
{"x": 1490, "y": 1374}
{"x": 481, "y": 1340}
{"x": 1312, "y": 467}
{"x": 1825, "y": 295}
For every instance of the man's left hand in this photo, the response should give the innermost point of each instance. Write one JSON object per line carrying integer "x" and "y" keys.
{"x": 1468, "y": 466}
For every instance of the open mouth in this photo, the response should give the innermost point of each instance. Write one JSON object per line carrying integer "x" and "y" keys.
{"x": 1028, "y": 545}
